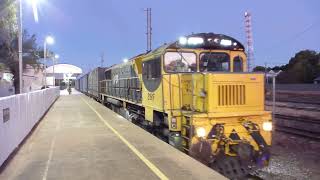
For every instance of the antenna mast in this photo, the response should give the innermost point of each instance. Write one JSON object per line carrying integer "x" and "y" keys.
{"x": 102, "y": 59}
{"x": 149, "y": 29}
{"x": 249, "y": 36}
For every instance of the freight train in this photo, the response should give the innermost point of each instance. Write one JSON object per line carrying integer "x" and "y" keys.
{"x": 196, "y": 94}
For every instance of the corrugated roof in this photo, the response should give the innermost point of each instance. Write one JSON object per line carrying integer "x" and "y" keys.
{"x": 64, "y": 69}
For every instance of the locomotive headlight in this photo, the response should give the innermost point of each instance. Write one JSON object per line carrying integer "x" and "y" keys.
{"x": 201, "y": 132}
{"x": 225, "y": 42}
{"x": 267, "y": 126}
{"x": 183, "y": 40}
{"x": 195, "y": 40}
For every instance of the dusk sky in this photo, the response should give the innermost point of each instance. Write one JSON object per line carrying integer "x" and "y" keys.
{"x": 84, "y": 29}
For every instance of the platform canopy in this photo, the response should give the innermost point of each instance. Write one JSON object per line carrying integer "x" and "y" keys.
{"x": 64, "y": 69}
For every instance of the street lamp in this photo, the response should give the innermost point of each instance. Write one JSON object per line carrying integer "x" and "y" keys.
{"x": 56, "y": 57}
{"x": 20, "y": 45}
{"x": 125, "y": 60}
{"x": 35, "y": 14}
{"x": 48, "y": 40}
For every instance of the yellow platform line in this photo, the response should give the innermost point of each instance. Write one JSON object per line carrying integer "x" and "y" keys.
{"x": 132, "y": 148}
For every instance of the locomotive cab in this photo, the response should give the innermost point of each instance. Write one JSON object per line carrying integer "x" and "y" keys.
{"x": 199, "y": 92}
{"x": 197, "y": 95}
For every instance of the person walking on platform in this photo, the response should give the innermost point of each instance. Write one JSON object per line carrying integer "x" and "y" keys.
{"x": 69, "y": 89}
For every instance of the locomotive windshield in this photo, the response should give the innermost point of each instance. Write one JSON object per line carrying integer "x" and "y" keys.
{"x": 180, "y": 62}
{"x": 213, "y": 62}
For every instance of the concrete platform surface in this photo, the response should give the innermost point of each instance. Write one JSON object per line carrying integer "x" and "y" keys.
{"x": 82, "y": 139}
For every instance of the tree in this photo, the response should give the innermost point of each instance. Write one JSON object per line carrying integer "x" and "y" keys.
{"x": 8, "y": 32}
{"x": 9, "y": 42}
{"x": 259, "y": 69}
{"x": 304, "y": 67}
{"x": 31, "y": 52}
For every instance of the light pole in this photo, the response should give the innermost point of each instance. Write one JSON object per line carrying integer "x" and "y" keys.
{"x": 35, "y": 13}
{"x": 56, "y": 57}
{"x": 47, "y": 40}
{"x": 20, "y": 45}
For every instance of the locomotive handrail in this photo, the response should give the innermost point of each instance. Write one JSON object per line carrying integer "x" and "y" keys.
{"x": 180, "y": 92}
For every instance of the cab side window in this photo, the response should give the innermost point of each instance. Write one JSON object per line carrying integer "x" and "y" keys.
{"x": 237, "y": 64}
{"x": 152, "y": 69}
{"x": 151, "y": 74}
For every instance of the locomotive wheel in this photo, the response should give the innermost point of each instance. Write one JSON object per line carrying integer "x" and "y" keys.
{"x": 231, "y": 167}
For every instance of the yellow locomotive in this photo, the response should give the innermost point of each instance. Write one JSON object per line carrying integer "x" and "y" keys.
{"x": 196, "y": 94}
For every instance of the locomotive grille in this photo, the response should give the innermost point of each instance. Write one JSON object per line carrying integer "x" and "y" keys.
{"x": 231, "y": 95}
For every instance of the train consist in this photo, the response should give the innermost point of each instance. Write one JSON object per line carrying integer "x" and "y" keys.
{"x": 197, "y": 95}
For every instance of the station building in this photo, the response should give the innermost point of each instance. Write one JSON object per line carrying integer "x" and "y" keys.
{"x": 62, "y": 75}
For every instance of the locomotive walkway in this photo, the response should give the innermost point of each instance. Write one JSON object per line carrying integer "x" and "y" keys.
{"x": 81, "y": 139}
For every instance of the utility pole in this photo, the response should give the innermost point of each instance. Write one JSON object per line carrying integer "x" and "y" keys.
{"x": 45, "y": 62}
{"x": 149, "y": 29}
{"x": 102, "y": 59}
{"x": 265, "y": 73}
{"x": 20, "y": 45}
{"x": 249, "y": 36}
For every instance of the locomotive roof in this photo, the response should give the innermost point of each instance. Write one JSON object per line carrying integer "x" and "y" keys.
{"x": 210, "y": 41}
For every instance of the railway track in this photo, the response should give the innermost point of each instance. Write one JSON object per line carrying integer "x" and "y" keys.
{"x": 302, "y": 101}
{"x": 297, "y": 106}
{"x": 298, "y": 125}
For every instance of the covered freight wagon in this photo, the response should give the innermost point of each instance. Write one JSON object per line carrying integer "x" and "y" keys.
{"x": 77, "y": 84}
{"x": 84, "y": 84}
{"x": 94, "y": 77}
{"x": 121, "y": 81}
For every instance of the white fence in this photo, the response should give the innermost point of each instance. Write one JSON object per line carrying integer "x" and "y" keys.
{"x": 18, "y": 115}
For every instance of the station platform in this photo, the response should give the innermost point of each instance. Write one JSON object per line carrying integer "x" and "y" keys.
{"x": 81, "y": 139}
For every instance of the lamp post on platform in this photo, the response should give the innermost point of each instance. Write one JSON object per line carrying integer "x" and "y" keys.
{"x": 19, "y": 18}
{"x": 56, "y": 57}
{"x": 48, "y": 40}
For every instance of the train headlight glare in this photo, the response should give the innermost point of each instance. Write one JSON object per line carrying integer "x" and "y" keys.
{"x": 267, "y": 126}
{"x": 183, "y": 40}
{"x": 201, "y": 132}
{"x": 225, "y": 42}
